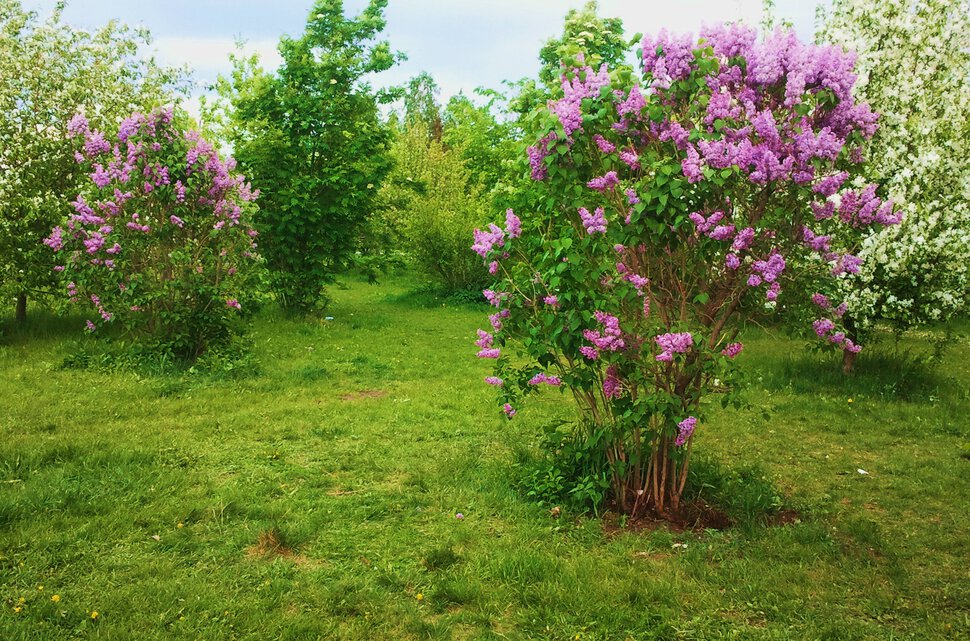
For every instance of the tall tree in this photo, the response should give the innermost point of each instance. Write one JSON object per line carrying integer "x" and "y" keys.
{"x": 48, "y": 73}
{"x": 914, "y": 69}
{"x": 311, "y": 139}
{"x": 586, "y": 39}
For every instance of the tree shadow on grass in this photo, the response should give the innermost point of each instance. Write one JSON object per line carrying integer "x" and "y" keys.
{"x": 879, "y": 372}
{"x": 41, "y": 325}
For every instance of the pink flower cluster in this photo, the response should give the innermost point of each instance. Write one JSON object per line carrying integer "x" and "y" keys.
{"x": 542, "y": 377}
{"x": 610, "y": 339}
{"x": 595, "y": 222}
{"x": 670, "y": 344}
{"x": 685, "y": 429}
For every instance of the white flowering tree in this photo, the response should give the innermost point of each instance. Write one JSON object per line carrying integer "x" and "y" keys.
{"x": 914, "y": 68}
{"x": 49, "y": 72}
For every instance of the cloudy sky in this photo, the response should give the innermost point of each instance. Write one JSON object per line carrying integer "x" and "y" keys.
{"x": 464, "y": 44}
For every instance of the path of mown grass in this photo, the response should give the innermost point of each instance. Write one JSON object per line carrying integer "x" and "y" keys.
{"x": 317, "y": 500}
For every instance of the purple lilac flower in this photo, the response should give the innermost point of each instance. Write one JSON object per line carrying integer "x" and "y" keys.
{"x": 494, "y": 380}
{"x": 822, "y": 327}
{"x": 631, "y": 197}
{"x": 814, "y": 242}
{"x": 77, "y": 125}
{"x": 512, "y": 224}
{"x": 685, "y": 430}
{"x": 484, "y": 339}
{"x": 486, "y": 241}
{"x": 56, "y": 240}
{"x": 595, "y": 222}
{"x": 670, "y": 344}
{"x": 633, "y": 104}
{"x": 731, "y": 261}
{"x": 604, "y": 182}
{"x": 509, "y": 410}
{"x": 846, "y": 264}
{"x": 691, "y": 166}
{"x": 604, "y": 145}
{"x": 831, "y": 184}
{"x": 589, "y": 352}
{"x": 610, "y": 338}
{"x": 732, "y": 350}
{"x": 491, "y": 352}
{"x": 232, "y": 302}
{"x": 494, "y": 298}
{"x": 612, "y": 387}
{"x": 822, "y": 301}
{"x": 542, "y": 377}
{"x": 743, "y": 239}
{"x": 551, "y": 301}
{"x": 631, "y": 158}
{"x": 721, "y": 232}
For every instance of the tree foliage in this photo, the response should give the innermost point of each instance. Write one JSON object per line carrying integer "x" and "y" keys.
{"x": 669, "y": 208}
{"x": 310, "y": 137}
{"x": 48, "y": 72}
{"x": 914, "y": 69}
{"x": 159, "y": 244}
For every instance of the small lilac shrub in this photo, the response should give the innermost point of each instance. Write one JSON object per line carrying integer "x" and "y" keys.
{"x": 160, "y": 243}
{"x": 668, "y": 208}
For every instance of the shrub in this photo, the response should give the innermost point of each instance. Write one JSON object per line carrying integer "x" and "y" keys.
{"x": 160, "y": 242}
{"x": 432, "y": 200}
{"x": 671, "y": 207}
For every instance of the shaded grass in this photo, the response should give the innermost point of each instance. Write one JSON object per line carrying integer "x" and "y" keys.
{"x": 316, "y": 498}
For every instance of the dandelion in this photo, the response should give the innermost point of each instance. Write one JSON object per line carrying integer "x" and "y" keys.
{"x": 95, "y": 614}
{"x": 56, "y": 598}
{"x": 420, "y": 597}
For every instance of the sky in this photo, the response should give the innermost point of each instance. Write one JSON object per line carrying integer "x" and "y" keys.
{"x": 463, "y": 44}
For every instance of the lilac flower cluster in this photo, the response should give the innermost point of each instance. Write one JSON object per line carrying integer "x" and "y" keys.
{"x": 685, "y": 429}
{"x": 133, "y": 179}
{"x": 542, "y": 377}
{"x": 667, "y": 58}
{"x": 732, "y": 350}
{"x": 604, "y": 182}
{"x": 670, "y": 344}
{"x": 485, "y": 341}
{"x": 610, "y": 339}
{"x": 612, "y": 387}
{"x": 766, "y": 140}
{"x": 866, "y": 208}
{"x": 595, "y": 222}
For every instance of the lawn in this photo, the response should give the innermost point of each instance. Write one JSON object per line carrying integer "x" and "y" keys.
{"x": 319, "y": 497}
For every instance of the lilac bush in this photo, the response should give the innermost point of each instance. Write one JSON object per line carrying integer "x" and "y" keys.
{"x": 667, "y": 208}
{"x": 160, "y": 243}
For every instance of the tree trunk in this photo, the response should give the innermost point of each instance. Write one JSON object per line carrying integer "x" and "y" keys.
{"x": 848, "y": 360}
{"x": 20, "y": 316}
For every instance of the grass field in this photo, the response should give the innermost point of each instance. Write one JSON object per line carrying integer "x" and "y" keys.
{"x": 317, "y": 499}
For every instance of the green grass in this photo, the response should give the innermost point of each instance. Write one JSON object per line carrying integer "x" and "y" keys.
{"x": 316, "y": 499}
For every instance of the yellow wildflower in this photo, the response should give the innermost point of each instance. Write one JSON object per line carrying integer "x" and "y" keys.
{"x": 56, "y": 598}
{"x": 95, "y": 614}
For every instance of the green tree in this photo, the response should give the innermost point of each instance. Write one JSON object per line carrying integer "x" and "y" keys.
{"x": 586, "y": 39}
{"x": 311, "y": 139}
{"x": 48, "y": 73}
{"x": 433, "y": 203}
{"x": 421, "y": 103}
{"x": 914, "y": 69}
{"x": 486, "y": 139}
